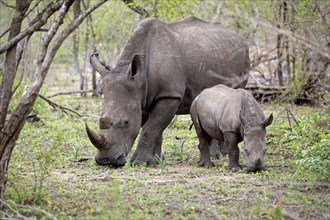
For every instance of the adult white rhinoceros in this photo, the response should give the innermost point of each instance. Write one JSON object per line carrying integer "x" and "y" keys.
{"x": 161, "y": 70}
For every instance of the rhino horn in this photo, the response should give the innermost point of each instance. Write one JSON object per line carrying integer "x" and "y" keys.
{"x": 98, "y": 66}
{"x": 98, "y": 140}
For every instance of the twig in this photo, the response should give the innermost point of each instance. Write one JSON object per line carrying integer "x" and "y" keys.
{"x": 33, "y": 208}
{"x": 136, "y": 8}
{"x": 55, "y": 105}
{"x": 308, "y": 21}
{"x": 7, "y": 5}
{"x": 4, "y": 32}
{"x": 12, "y": 209}
{"x": 63, "y": 108}
{"x": 69, "y": 93}
{"x": 292, "y": 116}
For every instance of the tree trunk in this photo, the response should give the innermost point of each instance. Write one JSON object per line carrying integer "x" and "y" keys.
{"x": 293, "y": 48}
{"x": 11, "y": 129}
{"x": 286, "y": 42}
{"x": 75, "y": 37}
{"x": 89, "y": 24}
{"x": 279, "y": 48}
{"x": 10, "y": 68}
{"x": 10, "y": 65}
{"x": 156, "y": 8}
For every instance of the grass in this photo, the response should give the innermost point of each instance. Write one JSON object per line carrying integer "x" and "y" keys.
{"x": 53, "y": 174}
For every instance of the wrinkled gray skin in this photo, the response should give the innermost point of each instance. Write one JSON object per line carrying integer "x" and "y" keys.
{"x": 161, "y": 70}
{"x": 230, "y": 116}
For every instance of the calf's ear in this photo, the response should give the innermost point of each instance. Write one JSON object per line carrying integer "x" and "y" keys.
{"x": 267, "y": 121}
{"x": 243, "y": 119}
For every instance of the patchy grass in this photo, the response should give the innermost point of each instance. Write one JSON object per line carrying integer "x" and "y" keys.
{"x": 52, "y": 174}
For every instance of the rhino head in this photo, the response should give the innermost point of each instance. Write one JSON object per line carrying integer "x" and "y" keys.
{"x": 120, "y": 120}
{"x": 254, "y": 135}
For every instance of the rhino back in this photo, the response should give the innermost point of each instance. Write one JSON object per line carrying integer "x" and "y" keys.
{"x": 211, "y": 54}
{"x": 185, "y": 57}
{"x": 211, "y": 51}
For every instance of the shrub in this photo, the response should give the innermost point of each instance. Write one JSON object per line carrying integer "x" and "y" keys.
{"x": 310, "y": 141}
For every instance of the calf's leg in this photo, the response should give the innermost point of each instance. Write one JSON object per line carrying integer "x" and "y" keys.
{"x": 231, "y": 141}
{"x": 204, "y": 141}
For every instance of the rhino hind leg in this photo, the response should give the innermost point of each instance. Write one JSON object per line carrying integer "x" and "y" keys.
{"x": 204, "y": 147}
{"x": 205, "y": 157}
{"x": 149, "y": 145}
{"x": 214, "y": 149}
{"x": 218, "y": 148}
{"x": 231, "y": 141}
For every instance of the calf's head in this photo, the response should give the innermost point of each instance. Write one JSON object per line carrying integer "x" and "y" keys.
{"x": 120, "y": 119}
{"x": 255, "y": 142}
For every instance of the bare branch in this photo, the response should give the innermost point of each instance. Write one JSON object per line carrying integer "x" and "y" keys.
{"x": 7, "y": 5}
{"x": 142, "y": 11}
{"x": 36, "y": 24}
{"x": 4, "y": 32}
{"x": 55, "y": 105}
{"x": 26, "y": 14}
{"x": 70, "y": 93}
{"x": 308, "y": 21}
{"x": 307, "y": 43}
{"x": 64, "y": 108}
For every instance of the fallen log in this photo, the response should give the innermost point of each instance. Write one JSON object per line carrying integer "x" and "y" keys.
{"x": 267, "y": 94}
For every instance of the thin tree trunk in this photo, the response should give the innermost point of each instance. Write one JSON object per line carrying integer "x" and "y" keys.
{"x": 10, "y": 65}
{"x": 75, "y": 37}
{"x": 293, "y": 50}
{"x": 90, "y": 27}
{"x": 85, "y": 71}
{"x": 286, "y": 42}
{"x": 156, "y": 8}
{"x": 279, "y": 48}
{"x": 10, "y": 131}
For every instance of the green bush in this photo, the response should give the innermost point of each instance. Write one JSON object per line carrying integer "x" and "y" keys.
{"x": 310, "y": 141}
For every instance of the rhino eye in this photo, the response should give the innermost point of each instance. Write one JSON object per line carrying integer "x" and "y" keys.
{"x": 124, "y": 122}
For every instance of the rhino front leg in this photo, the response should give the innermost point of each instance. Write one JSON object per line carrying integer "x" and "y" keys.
{"x": 231, "y": 141}
{"x": 150, "y": 140}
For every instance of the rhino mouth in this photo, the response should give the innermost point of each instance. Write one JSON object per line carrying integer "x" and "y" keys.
{"x": 256, "y": 169}
{"x": 98, "y": 139}
{"x": 119, "y": 162}
{"x": 110, "y": 153}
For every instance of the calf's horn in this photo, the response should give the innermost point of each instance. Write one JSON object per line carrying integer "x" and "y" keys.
{"x": 98, "y": 140}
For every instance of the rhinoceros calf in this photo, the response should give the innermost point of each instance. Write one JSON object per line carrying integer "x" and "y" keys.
{"x": 230, "y": 115}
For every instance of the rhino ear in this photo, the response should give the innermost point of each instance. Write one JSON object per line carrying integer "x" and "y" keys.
{"x": 100, "y": 67}
{"x": 243, "y": 119}
{"x": 137, "y": 65}
{"x": 267, "y": 121}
